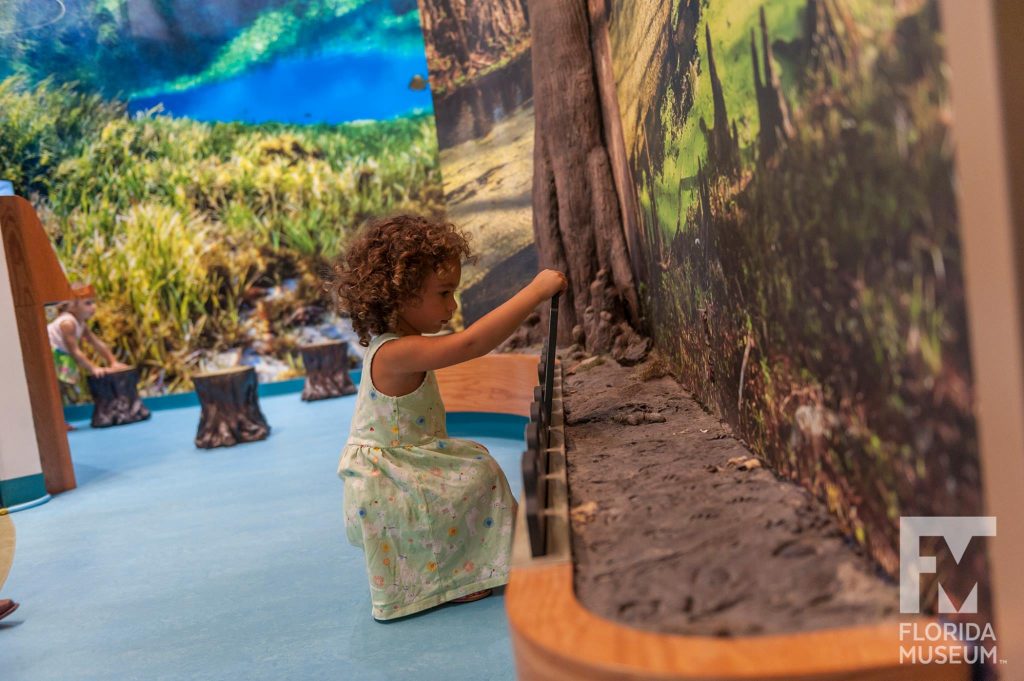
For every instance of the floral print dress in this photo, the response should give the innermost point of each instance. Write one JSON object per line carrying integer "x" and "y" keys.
{"x": 433, "y": 514}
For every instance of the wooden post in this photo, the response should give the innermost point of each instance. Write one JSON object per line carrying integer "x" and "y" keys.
{"x": 37, "y": 279}
{"x": 611, "y": 119}
{"x": 576, "y": 218}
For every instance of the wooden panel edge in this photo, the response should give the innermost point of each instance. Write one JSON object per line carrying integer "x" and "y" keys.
{"x": 44, "y": 398}
{"x": 986, "y": 59}
{"x": 41, "y": 276}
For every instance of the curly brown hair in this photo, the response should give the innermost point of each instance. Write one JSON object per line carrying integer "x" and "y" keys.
{"x": 385, "y": 266}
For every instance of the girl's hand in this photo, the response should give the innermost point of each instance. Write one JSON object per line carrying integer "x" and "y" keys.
{"x": 550, "y": 282}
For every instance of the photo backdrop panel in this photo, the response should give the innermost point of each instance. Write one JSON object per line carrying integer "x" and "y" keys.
{"x": 480, "y": 72}
{"x": 201, "y": 162}
{"x": 795, "y": 179}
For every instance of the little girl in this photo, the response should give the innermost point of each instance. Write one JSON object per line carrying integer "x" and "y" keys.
{"x": 67, "y": 331}
{"x": 433, "y": 514}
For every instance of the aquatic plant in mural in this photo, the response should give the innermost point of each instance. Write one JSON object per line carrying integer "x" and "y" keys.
{"x": 200, "y": 162}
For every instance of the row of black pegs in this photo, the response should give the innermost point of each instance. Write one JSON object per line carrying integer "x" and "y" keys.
{"x": 538, "y": 438}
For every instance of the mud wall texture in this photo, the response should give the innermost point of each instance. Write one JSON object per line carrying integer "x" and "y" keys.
{"x": 795, "y": 181}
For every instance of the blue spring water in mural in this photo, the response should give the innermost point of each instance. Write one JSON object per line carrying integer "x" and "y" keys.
{"x": 331, "y": 87}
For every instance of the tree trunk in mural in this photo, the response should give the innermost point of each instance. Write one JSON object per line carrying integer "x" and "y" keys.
{"x": 723, "y": 145}
{"x": 465, "y": 36}
{"x": 576, "y": 218}
{"x": 832, "y": 42}
{"x": 600, "y": 44}
{"x": 773, "y": 112}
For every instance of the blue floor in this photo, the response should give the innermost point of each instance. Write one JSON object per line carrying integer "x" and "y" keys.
{"x": 170, "y": 562}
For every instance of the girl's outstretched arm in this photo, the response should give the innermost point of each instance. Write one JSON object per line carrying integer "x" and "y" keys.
{"x": 416, "y": 354}
{"x": 67, "y": 332}
{"x": 104, "y": 351}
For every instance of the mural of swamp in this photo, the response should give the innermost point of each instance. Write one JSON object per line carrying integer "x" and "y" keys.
{"x": 480, "y": 73}
{"x": 794, "y": 170}
{"x": 200, "y": 162}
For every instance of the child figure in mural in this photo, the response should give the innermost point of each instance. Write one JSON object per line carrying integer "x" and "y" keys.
{"x": 433, "y": 514}
{"x": 67, "y": 331}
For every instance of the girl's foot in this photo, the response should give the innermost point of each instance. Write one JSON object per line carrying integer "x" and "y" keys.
{"x": 475, "y": 596}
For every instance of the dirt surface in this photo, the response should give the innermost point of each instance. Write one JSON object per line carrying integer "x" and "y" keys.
{"x": 677, "y": 528}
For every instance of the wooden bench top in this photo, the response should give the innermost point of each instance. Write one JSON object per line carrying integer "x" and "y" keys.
{"x": 223, "y": 372}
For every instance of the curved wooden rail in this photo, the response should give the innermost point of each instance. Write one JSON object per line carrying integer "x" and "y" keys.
{"x": 556, "y": 639}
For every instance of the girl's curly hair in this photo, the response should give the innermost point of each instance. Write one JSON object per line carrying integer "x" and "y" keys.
{"x": 386, "y": 264}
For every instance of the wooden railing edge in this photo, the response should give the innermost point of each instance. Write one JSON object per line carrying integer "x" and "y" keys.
{"x": 556, "y": 638}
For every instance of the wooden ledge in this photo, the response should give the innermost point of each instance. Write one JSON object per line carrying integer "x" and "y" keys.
{"x": 557, "y": 638}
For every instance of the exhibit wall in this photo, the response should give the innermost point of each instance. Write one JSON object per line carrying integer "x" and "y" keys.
{"x": 795, "y": 174}
{"x": 199, "y": 163}
{"x": 480, "y": 73}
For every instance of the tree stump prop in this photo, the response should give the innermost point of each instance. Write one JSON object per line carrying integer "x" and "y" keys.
{"x": 231, "y": 410}
{"x": 327, "y": 367}
{"x": 115, "y": 399}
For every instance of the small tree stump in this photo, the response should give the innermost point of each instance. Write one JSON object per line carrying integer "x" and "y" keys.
{"x": 231, "y": 409}
{"x": 327, "y": 367}
{"x": 115, "y": 399}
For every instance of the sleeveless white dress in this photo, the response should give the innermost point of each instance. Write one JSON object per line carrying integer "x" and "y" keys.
{"x": 433, "y": 514}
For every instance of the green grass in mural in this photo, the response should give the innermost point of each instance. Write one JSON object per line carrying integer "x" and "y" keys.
{"x": 731, "y": 24}
{"x": 827, "y": 274}
{"x": 174, "y": 220}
